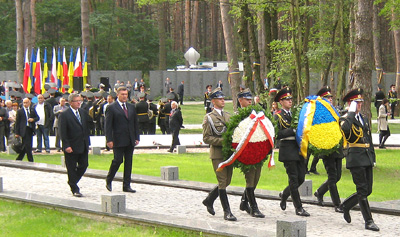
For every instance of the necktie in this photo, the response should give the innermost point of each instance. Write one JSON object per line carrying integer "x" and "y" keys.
{"x": 27, "y": 116}
{"x": 359, "y": 119}
{"x": 125, "y": 110}
{"x": 222, "y": 113}
{"x": 78, "y": 117}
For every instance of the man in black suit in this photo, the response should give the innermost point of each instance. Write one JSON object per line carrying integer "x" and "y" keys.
{"x": 175, "y": 124}
{"x": 289, "y": 153}
{"x": 181, "y": 91}
{"x": 25, "y": 128}
{"x": 122, "y": 134}
{"x": 74, "y": 126}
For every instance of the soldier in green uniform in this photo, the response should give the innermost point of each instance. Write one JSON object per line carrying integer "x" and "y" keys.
{"x": 392, "y": 95}
{"x": 360, "y": 158}
{"x": 214, "y": 125}
{"x": 253, "y": 175}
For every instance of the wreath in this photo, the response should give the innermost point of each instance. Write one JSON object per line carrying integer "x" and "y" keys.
{"x": 249, "y": 139}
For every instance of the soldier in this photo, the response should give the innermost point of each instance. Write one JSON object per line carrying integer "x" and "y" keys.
{"x": 392, "y": 95}
{"x": 289, "y": 152}
{"x": 379, "y": 96}
{"x": 171, "y": 91}
{"x": 207, "y": 100}
{"x": 360, "y": 158}
{"x": 167, "y": 110}
{"x": 141, "y": 110}
{"x": 333, "y": 166}
{"x": 253, "y": 175}
{"x": 152, "y": 123}
{"x": 214, "y": 125}
{"x": 161, "y": 115}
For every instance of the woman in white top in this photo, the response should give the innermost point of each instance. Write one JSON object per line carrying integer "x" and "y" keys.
{"x": 383, "y": 125}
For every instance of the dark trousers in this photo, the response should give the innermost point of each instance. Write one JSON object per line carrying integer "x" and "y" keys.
{"x": 143, "y": 128}
{"x": 392, "y": 107}
{"x": 152, "y": 128}
{"x": 175, "y": 139}
{"x": 76, "y": 166}
{"x": 57, "y": 138}
{"x": 181, "y": 99}
{"x": 27, "y": 141}
{"x": 167, "y": 129}
{"x": 2, "y": 136}
{"x": 162, "y": 127}
{"x": 334, "y": 170}
{"x": 121, "y": 154}
{"x": 296, "y": 171}
{"x": 42, "y": 131}
{"x": 363, "y": 179}
{"x": 313, "y": 163}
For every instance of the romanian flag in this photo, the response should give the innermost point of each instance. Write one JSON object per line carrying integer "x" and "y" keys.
{"x": 71, "y": 70}
{"x": 65, "y": 70}
{"x": 45, "y": 70}
{"x": 38, "y": 73}
{"x": 27, "y": 84}
{"x": 59, "y": 69}
{"x": 85, "y": 67}
{"x": 78, "y": 64}
{"x": 32, "y": 71}
{"x": 54, "y": 68}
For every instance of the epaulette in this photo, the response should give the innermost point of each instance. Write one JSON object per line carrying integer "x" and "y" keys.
{"x": 278, "y": 112}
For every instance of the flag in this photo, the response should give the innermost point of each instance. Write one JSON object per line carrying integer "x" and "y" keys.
{"x": 59, "y": 69}
{"x": 65, "y": 70}
{"x": 32, "y": 71}
{"x": 45, "y": 77}
{"x": 27, "y": 69}
{"x": 38, "y": 73}
{"x": 71, "y": 70}
{"x": 54, "y": 68}
{"x": 85, "y": 67}
{"x": 78, "y": 64}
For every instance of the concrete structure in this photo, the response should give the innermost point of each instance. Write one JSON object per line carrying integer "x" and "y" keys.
{"x": 169, "y": 173}
{"x": 1, "y": 184}
{"x": 10, "y": 151}
{"x": 63, "y": 161}
{"x": 96, "y": 151}
{"x": 291, "y": 228}
{"x": 181, "y": 149}
{"x": 305, "y": 188}
{"x": 113, "y": 203}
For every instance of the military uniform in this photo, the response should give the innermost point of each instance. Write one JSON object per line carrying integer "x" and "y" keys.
{"x": 152, "y": 122}
{"x": 333, "y": 167}
{"x": 392, "y": 95}
{"x": 214, "y": 125}
{"x": 360, "y": 159}
{"x": 207, "y": 102}
{"x": 167, "y": 111}
{"x": 289, "y": 155}
{"x": 161, "y": 118}
{"x": 143, "y": 118}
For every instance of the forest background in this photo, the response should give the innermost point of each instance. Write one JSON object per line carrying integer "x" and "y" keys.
{"x": 286, "y": 39}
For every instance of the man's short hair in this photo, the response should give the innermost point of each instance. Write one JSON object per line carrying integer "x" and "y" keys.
{"x": 174, "y": 102}
{"x": 121, "y": 88}
{"x": 72, "y": 96}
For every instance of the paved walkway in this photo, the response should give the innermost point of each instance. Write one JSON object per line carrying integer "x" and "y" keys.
{"x": 178, "y": 203}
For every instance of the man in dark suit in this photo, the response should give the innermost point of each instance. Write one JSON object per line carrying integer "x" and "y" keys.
{"x": 219, "y": 85}
{"x": 25, "y": 128}
{"x": 122, "y": 134}
{"x": 181, "y": 91}
{"x": 167, "y": 110}
{"x": 289, "y": 153}
{"x": 360, "y": 158}
{"x": 175, "y": 124}
{"x": 74, "y": 126}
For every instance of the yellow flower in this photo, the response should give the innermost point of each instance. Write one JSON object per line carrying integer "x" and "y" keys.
{"x": 325, "y": 136}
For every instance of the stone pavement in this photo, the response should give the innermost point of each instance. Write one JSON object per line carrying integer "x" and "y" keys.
{"x": 178, "y": 203}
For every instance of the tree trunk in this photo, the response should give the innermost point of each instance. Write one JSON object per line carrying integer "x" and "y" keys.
{"x": 26, "y": 6}
{"x": 377, "y": 46}
{"x": 231, "y": 53}
{"x": 297, "y": 45}
{"x": 244, "y": 36}
{"x": 195, "y": 27}
{"x": 33, "y": 16}
{"x": 351, "y": 47}
{"x": 343, "y": 33}
{"x": 267, "y": 44}
{"x": 86, "y": 34}
{"x": 162, "y": 56}
{"x": 397, "y": 51}
{"x": 20, "y": 41}
{"x": 363, "y": 60}
{"x": 255, "y": 54}
{"x": 187, "y": 25}
{"x": 308, "y": 24}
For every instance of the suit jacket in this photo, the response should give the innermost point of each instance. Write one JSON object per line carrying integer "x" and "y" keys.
{"x": 288, "y": 148}
{"x": 48, "y": 113}
{"x": 153, "y": 107}
{"x": 181, "y": 89}
{"x": 175, "y": 120}
{"x": 141, "y": 111}
{"x": 73, "y": 133}
{"x": 56, "y": 112}
{"x": 214, "y": 122}
{"x": 20, "y": 122}
{"x": 52, "y": 101}
{"x": 120, "y": 130}
{"x": 4, "y": 116}
{"x": 352, "y": 128}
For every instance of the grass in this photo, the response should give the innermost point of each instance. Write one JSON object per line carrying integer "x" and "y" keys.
{"x": 194, "y": 113}
{"x": 197, "y": 167}
{"x": 21, "y": 219}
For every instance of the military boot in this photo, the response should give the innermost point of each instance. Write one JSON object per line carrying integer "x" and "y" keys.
{"x": 366, "y": 212}
{"x": 209, "y": 201}
{"x": 244, "y": 203}
{"x": 254, "y": 212}
{"x": 225, "y": 205}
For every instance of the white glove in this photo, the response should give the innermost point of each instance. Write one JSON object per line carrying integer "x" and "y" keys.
{"x": 353, "y": 106}
{"x": 205, "y": 108}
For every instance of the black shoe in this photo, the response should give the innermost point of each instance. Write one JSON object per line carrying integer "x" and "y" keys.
{"x": 170, "y": 151}
{"x": 229, "y": 216}
{"x": 254, "y": 211}
{"x": 346, "y": 214}
{"x": 210, "y": 208}
{"x": 244, "y": 203}
{"x": 319, "y": 198}
{"x": 370, "y": 225}
{"x": 283, "y": 202}
{"x": 108, "y": 186}
{"x": 47, "y": 151}
{"x": 301, "y": 212}
{"x": 307, "y": 172}
{"x": 339, "y": 209}
{"x": 314, "y": 172}
{"x": 129, "y": 190}
{"x": 38, "y": 151}
{"x": 225, "y": 205}
{"x": 77, "y": 194}
{"x": 58, "y": 150}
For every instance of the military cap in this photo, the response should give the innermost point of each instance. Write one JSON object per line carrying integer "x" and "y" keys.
{"x": 97, "y": 94}
{"x": 325, "y": 91}
{"x": 88, "y": 86}
{"x": 245, "y": 94}
{"x": 392, "y": 85}
{"x": 354, "y": 95}
{"x": 208, "y": 86}
{"x": 242, "y": 87}
{"x": 66, "y": 86}
{"x": 380, "y": 86}
{"x": 216, "y": 94}
{"x": 164, "y": 100}
{"x": 47, "y": 87}
{"x": 46, "y": 95}
{"x": 84, "y": 93}
{"x": 52, "y": 91}
{"x": 89, "y": 94}
{"x": 65, "y": 96}
{"x": 12, "y": 93}
{"x": 285, "y": 93}
{"x": 102, "y": 85}
{"x": 150, "y": 97}
{"x": 29, "y": 95}
{"x": 170, "y": 96}
{"x": 18, "y": 94}
{"x": 113, "y": 94}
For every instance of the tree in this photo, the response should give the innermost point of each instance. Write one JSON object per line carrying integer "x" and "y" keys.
{"x": 20, "y": 41}
{"x": 86, "y": 32}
